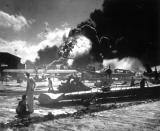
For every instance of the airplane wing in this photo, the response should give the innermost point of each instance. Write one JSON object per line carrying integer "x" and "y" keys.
{"x": 61, "y": 71}
{"x": 19, "y": 70}
{"x": 39, "y": 71}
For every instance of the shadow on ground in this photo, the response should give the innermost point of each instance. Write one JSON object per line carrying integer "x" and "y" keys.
{"x": 92, "y": 108}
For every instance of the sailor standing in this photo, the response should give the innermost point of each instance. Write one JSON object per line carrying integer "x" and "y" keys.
{"x": 50, "y": 86}
{"x": 29, "y": 92}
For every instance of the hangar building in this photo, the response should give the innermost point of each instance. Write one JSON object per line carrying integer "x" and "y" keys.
{"x": 9, "y": 61}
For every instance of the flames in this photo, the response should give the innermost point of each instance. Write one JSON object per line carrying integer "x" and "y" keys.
{"x": 79, "y": 45}
{"x": 127, "y": 63}
{"x": 82, "y": 46}
{"x": 70, "y": 62}
{"x": 75, "y": 47}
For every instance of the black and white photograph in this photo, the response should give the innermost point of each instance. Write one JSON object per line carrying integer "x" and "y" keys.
{"x": 79, "y": 65}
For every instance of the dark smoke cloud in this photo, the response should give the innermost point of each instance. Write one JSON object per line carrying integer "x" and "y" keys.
{"x": 47, "y": 55}
{"x": 132, "y": 26}
{"x": 124, "y": 28}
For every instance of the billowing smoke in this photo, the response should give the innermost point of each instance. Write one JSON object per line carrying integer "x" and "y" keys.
{"x": 122, "y": 29}
{"x": 127, "y": 63}
{"x": 132, "y": 28}
{"x": 75, "y": 47}
{"x": 21, "y": 49}
{"x": 42, "y": 52}
{"x": 82, "y": 46}
{"x": 52, "y": 40}
{"x": 70, "y": 62}
{"x": 79, "y": 47}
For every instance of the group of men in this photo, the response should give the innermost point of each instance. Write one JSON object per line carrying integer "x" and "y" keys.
{"x": 25, "y": 106}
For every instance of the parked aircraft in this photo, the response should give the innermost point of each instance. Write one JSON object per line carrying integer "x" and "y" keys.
{"x": 116, "y": 74}
{"x": 41, "y": 72}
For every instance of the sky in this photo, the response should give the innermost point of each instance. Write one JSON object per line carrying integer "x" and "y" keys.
{"x": 27, "y": 26}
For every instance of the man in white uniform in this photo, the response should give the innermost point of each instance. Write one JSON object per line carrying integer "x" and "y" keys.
{"x": 29, "y": 92}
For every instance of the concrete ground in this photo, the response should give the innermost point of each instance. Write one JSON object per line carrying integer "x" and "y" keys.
{"x": 130, "y": 117}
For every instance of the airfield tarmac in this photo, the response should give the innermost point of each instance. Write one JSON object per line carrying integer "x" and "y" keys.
{"x": 135, "y": 115}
